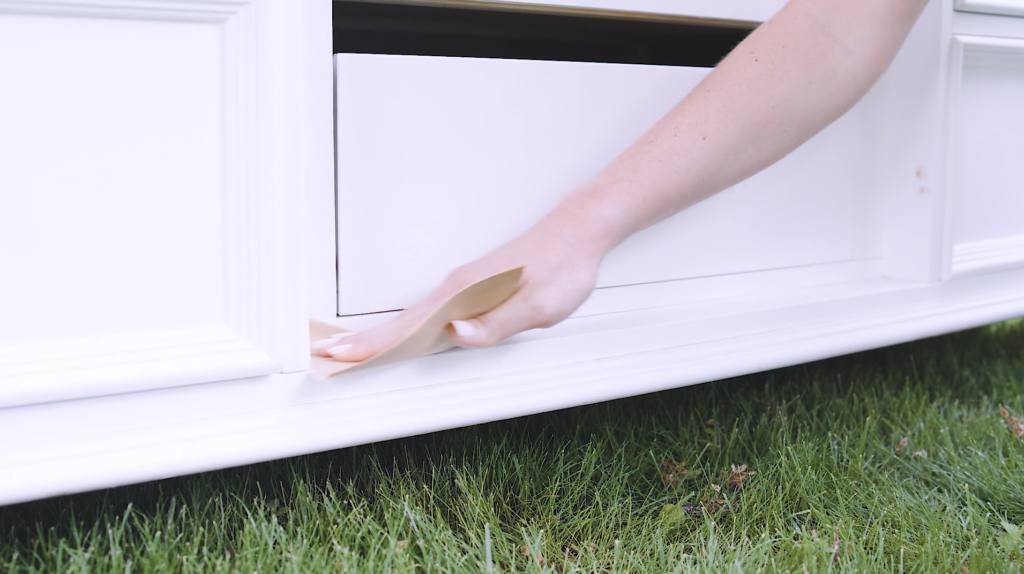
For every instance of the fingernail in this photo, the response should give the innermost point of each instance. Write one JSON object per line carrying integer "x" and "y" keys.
{"x": 339, "y": 350}
{"x": 464, "y": 329}
{"x": 332, "y": 341}
{"x": 324, "y": 344}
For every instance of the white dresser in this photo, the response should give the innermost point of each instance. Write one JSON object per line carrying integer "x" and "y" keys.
{"x": 185, "y": 183}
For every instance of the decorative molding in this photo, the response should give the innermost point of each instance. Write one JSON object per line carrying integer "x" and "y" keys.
{"x": 987, "y": 51}
{"x": 1006, "y": 7}
{"x": 126, "y": 363}
{"x": 988, "y": 256}
{"x": 264, "y": 330}
{"x": 209, "y": 11}
{"x": 968, "y": 50}
{"x": 750, "y": 286}
{"x": 83, "y": 445}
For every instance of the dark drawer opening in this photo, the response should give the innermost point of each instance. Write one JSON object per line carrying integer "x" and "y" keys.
{"x": 449, "y": 28}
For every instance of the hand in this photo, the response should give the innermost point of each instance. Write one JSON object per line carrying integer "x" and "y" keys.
{"x": 561, "y": 255}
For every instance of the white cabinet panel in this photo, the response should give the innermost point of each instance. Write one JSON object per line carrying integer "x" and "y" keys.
{"x": 147, "y": 234}
{"x": 112, "y": 177}
{"x": 987, "y": 193}
{"x": 443, "y": 159}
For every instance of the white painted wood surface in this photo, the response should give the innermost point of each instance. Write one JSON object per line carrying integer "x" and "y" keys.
{"x": 168, "y": 219}
{"x": 988, "y": 184}
{"x": 1007, "y": 7}
{"x": 986, "y": 256}
{"x": 987, "y": 25}
{"x": 986, "y": 192}
{"x": 319, "y": 221}
{"x": 484, "y": 148}
{"x": 74, "y": 446}
{"x": 151, "y": 235}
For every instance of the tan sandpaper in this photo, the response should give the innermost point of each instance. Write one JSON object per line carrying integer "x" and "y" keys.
{"x": 431, "y": 334}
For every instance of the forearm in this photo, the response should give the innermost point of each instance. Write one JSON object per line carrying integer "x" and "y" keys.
{"x": 787, "y": 81}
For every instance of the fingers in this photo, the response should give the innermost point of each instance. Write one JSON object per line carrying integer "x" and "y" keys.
{"x": 358, "y": 347}
{"x": 538, "y": 303}
{"x": 515, "y": 316}
{"x": 518, "y": 314}
{"x": 337, "y": 344}
{"x": 332, "y": 344}
{"x": 361, "y": 346}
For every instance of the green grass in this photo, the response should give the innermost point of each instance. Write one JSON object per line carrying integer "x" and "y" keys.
{"x": 603, "y": 489}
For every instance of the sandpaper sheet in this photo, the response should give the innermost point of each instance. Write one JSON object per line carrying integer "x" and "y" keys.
{"x": 431, "y": 335}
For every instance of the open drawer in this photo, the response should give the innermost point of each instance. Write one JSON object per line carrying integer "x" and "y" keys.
{"x": 442, "y": 159}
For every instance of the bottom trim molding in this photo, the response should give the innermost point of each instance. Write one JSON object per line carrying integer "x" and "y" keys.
{"x": 986, "y": 256}
{"x": 95, "y": 366}
{"x": 73, "y": 446}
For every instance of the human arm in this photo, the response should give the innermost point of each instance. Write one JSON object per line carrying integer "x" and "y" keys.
{"x": 792, "y": 77}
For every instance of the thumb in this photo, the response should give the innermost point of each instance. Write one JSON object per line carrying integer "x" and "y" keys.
{"x": 514, "y": 316}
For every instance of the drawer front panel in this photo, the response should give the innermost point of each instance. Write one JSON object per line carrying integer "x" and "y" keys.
{"x": 442, "y": 159}
{"x": 987, "y": 193}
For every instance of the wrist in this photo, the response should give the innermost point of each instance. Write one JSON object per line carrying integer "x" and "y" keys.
{"x": 594, "y": 211}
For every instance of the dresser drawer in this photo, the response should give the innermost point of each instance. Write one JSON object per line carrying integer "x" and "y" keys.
{"x": 442, "y": 159}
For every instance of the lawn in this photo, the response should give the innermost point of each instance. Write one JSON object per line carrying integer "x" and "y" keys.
{"x": 896, "y": 460}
